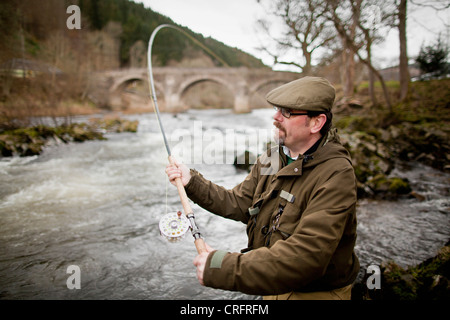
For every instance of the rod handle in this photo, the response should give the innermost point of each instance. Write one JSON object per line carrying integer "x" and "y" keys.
{"x": 200, "y": 245}
{"x": 199, "y": 242}
{"x": 181, "y": 191}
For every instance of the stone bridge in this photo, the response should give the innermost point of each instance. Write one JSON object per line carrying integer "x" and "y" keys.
{"x": 113, "y": 88}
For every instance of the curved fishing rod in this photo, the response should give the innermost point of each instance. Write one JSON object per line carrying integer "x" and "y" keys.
{"x": 173, "y": 225}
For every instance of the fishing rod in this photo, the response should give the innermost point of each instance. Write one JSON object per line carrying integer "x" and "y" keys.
{"x": 173, "y": 226}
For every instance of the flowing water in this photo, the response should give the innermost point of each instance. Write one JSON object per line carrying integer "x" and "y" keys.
{"x": 97, "y": 205}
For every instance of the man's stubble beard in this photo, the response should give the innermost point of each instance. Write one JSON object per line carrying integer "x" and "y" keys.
{"x": 276, "y": 133}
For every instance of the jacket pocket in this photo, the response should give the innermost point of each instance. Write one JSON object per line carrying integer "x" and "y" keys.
{"x": 253, "y": 212}
{"x": 289, "y": 220}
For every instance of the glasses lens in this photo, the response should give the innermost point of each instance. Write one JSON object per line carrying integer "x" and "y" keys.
{"x": 285, "y": 112}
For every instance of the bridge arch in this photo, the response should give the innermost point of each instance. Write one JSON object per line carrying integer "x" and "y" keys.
{"x": 119, "y": 85}
{"x": 209, "y": 92}
{"x": 132, "y": 91}
{"x": 121, "y": 81}
{"x": 191, "y": 81}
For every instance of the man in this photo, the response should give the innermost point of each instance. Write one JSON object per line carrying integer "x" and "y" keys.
{"x": 301, "y": 220}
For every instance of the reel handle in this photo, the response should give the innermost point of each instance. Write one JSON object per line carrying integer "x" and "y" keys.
{"x": 199, "y": 243}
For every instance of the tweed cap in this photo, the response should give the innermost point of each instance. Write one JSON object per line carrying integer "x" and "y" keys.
{"x": 308, "y": 93}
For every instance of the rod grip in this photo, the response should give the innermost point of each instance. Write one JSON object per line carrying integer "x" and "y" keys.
{"x": 200, "y": 245}
{"x": 182, "y": 192}
{"x": 199, "y": 242}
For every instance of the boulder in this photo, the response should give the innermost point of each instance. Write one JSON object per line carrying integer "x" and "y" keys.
{"x": 428, "y": 280}
{"x": 389, "y": 187}
{"x": 245, "y": 161}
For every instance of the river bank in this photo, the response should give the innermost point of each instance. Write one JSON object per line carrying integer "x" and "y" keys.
{"x": 31, "y": 141}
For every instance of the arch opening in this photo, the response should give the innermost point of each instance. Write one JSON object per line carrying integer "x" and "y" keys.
{"x": 133, "y": 94}
{"x": 207, "y": 94}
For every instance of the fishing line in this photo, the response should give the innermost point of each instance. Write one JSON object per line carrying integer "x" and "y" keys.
{"x": 174, "y": 226}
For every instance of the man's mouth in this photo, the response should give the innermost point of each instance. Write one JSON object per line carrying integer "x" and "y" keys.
{"x": 279, "y": 126}
{"x": 276, "y": 133}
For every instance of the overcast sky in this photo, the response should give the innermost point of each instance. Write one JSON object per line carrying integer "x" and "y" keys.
{"x": 233, "y": 22}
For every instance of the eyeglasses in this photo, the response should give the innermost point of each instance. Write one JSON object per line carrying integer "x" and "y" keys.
{"x": 287, "y": 113}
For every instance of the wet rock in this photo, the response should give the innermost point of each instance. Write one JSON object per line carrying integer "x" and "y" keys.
{"x": 418, "y": 140}
{"x": 391, "y": 187}
{"x": 427, "y": 281}
{"x": 22, "y": 142}
{"x": 116, "y": 124}
{"x": 245, "y": 161}
{"x": 417, "y": 196}
{"x": 374, "y": 151}
{"x": 370, "y": 159}
{"x": 31, "y": 141}
{"x": 83, "y": 132}
{"x": 5, "y": 151}
{"x": 427, "y": 145}
{"x": 26, "y": 142}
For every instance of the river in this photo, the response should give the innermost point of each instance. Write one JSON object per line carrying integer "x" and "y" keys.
{"x": 97, "y": 205}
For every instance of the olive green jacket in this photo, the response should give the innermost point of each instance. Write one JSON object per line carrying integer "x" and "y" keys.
{"x": 301, "y": 223}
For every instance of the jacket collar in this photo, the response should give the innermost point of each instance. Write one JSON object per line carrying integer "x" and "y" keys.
{"x": 308, "y": 152}
{"x": 313, "y": 156}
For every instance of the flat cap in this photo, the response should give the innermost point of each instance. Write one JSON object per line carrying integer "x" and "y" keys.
{"x": 308, "y": 93}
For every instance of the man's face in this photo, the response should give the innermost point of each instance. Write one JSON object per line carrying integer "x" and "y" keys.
{"x": 291, "y": 131}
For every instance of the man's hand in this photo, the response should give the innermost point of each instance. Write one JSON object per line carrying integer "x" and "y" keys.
{"x": 200, "y": 262}
{"x": 178, "y": 170}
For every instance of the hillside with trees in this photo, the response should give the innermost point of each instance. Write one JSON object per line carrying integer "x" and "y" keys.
{"x": 114, "y": 31}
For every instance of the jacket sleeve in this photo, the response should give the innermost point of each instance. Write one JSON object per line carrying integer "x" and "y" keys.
{"x": 232, "y": 204}
{"x": 291, "y": 264}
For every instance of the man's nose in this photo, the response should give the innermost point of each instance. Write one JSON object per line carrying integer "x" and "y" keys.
{"x": 278, "y": 116}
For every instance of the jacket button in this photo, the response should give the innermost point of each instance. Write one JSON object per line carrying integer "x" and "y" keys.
{"x": 295, "y": 169}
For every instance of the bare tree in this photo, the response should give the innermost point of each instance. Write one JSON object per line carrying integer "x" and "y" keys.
{"x": 404, "y": 69}
{"x": 373, "y": 20}
{"x": 345, "y": 17}
{"x": 305, "y": 29}
{"x": 354, "y": 37}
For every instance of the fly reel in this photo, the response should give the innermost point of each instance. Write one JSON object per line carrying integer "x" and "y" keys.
{"x": 173, "y": 226}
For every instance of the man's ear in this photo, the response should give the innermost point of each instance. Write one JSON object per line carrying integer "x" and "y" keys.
{"x": 318, "y": 122}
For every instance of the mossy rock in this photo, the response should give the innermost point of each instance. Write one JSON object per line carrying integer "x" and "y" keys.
{"x": 245, "y": 161}
{"x": 26, "y": 142}
{"x": 353, "y": 123}
{"x": 399, "y": 186}
{"x": 116, "y": 124}
{"x": 82, "y": 132}
{"x": 427, "y": 281}
{"x": 381, "y": 184}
